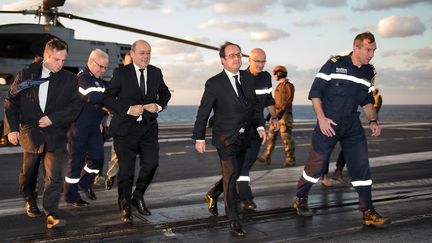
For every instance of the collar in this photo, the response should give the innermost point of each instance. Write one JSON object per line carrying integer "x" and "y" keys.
{"x": 45, "y": 72}
{"x": 230, "y": 74}
{"x": 138, "y": 68}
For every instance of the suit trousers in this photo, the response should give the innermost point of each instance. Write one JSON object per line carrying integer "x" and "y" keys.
{"x": 231, "y": 159}
{"x": 53, "y": 163}
{"x": 141, "y": 140}
{"x": 243, "y": 183}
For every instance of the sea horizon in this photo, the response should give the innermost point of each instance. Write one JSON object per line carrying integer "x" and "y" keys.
{"x": 388, "y": 113}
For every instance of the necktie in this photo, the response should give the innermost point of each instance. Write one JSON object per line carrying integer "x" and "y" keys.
{"x": 142, "y": 83}
{"x": 240, "y": 92}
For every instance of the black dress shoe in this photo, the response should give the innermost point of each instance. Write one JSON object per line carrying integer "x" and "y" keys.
{"x": 109, "y": 182}
{"x": 249, "y": 204}
{"x": 79, "y": 203}
{"x": 212, "y": 205}
{"x": 53, "y": 221}
{"x": 126, "y": 215}
{"x": 89, "y": 192}
{"x": 32, "y": 209}
{"x": 236, "y": 228}
{"x": 139, "y": 204}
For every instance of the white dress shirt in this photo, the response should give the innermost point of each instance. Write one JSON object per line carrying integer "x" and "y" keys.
{"x": 43, "y": 88}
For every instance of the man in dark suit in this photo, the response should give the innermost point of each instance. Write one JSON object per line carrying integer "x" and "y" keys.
{"x": 39, "y": 108}
{"x": 136, "y": 94}
{"x": 231, "y": 96}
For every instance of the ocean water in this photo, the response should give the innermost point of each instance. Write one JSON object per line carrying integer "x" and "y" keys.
{"x": 388, "y": 113}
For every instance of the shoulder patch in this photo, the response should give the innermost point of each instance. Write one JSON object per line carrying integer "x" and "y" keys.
{"x": 334, "y": 58}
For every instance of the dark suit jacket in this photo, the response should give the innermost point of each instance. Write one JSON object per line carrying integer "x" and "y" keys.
{"x": 124, "y": 91}
{"x": 22, "y": 112}
{"x": 229, "y": 113}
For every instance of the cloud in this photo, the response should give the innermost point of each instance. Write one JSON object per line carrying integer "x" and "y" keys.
{"x": 144, "y": 4}
{"x": 423, "y": 54}
{"x": 295, "y": 5}
{"x": 191, "y": 58}
{"x": 387, "y": 4}
{"x": 390, "y": 53}
{"x": 306, "y": 4}
{"x": 316, "y": 22}
{"x": 257, "y": 31}
{"x": 421, "y": 58}
{"x": 189, "y": 86}
{"x": 20, "y": 5}
{"x": 242, "y": 7}
{"x": 306, "y": 23}
{"x": 195, "y": 3}
{"x": 334, "y": 18}
{"x": 400, "y": 26}
{"x": 171, "y": 48}
{"x": 330, "y": 3}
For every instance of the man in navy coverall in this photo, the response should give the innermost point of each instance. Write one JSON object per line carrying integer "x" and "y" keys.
{"x": 85, "y": 134}
{"x": 341, "y": 85}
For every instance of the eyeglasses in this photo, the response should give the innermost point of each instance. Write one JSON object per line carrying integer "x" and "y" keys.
{"x": 101, "y": 66}
{"x": 234, "y": 55}
{"x": 259, "y": 61}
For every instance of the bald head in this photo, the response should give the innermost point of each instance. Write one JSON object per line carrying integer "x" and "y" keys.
{"x": 257, "y": 60}
{"x": 141, "y": 53}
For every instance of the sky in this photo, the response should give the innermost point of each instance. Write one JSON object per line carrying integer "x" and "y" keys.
{"x": 300, "y": 35}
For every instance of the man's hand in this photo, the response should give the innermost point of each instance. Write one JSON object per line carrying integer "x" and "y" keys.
{"x": 325, "y": 126}
{"x": 136, "y": 110}
{"x": 152, "y": 107}
{"x": 200, "y": 146}
{"x": 262, "y": 134}
{"x": 45, "y": 122}
{"x": 13, "y": 138}
{"x": 375, "y": 128}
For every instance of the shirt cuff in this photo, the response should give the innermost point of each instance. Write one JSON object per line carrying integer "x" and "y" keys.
{"x": 159, "y": 108}
{"x": 199, "y": 140}
{"x": 261, "y": 128}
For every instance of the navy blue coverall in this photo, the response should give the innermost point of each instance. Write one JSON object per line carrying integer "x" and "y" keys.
{"x": 85, "y": 141}
{"x": 342, "y": 88}
{"x": 263, "y": 91}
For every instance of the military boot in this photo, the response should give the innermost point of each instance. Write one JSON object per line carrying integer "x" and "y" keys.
{"x": 301, "y": 205}
{"x": 266, "y": 158}
{"x": 371, "y": 217}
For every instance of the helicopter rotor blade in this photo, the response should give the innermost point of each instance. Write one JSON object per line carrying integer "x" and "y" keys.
{"x": 24, "y": 12}
{"x": 139, "y": 31}
{"x": 49, "y": 4}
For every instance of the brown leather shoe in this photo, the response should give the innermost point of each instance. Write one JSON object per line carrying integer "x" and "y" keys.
{"x": 212, "y": 205}
{"x": 109, "y": 182}
{"x": 236, "y": 228}
{"x": 53, "y": 221}
{"x": 32, "y": 209}
{"x": 249, "y": 204}
{"x": 126, "y": 217}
